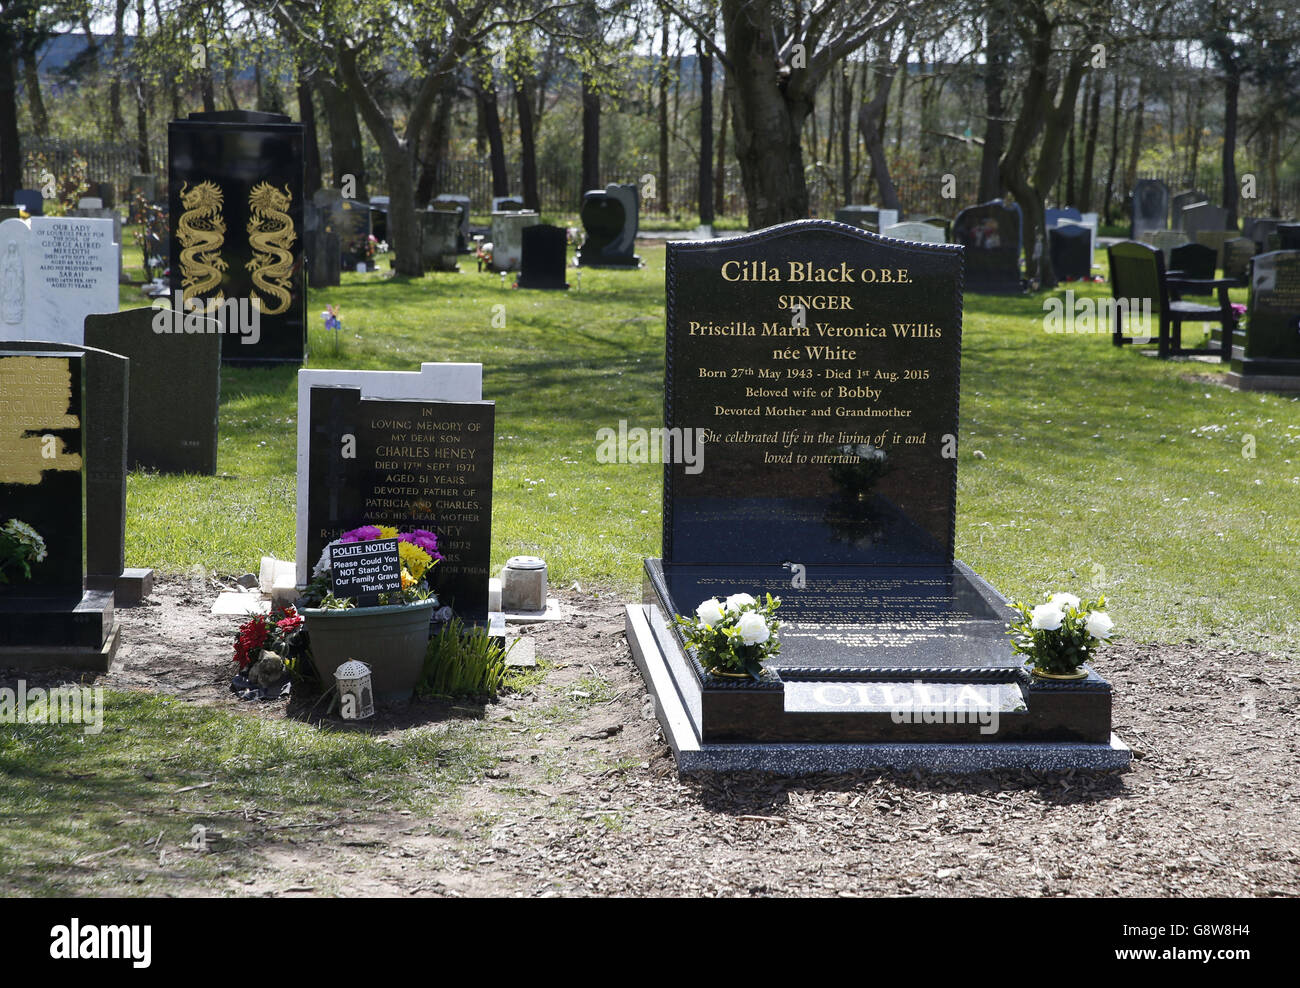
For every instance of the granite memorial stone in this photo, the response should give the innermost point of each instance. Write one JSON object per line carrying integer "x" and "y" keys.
{"x": 1237, "y": 253}
{"x": 610, "y": 217}
{"x": 922, "y": 233}
{"x": 55, "y": 271}
{"x": 48, "y": 619}
{"x": 417, "y": 465}
{"x": 808, "y": 461}
{"x": 991, "y": 235}
{"x": 1071, "y": 252}
{"x": 461, "y": 204}
{"x": 508, "y": 238}
{"x": 544, "y": 257}
{"x": 1150, "y": 205}
{"x": 1269, "y": 360}
{"x": 439, "y": 233}
{"x": 175, "y": 385}
{"x": 236, "y": 214}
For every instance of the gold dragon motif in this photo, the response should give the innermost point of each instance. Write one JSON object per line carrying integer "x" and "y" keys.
{"x": 201, "y": 231}
{"x": 270, "y": 235}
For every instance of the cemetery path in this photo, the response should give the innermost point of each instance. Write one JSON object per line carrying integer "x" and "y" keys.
{"x": 584, "y": 798}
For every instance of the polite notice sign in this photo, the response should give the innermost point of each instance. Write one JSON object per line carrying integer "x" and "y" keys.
{"x": 363, "y": 570}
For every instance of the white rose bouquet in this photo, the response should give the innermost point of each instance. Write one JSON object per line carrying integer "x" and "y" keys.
{"x": 734, "y": 636}
{"x": 1057, "y": 637}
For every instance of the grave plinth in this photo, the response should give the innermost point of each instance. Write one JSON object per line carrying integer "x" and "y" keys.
{"x": 827, "y": 476}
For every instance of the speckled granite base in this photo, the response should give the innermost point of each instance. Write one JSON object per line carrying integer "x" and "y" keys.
{"x": 949, "y": 759}
{"x": 810, "y": 758}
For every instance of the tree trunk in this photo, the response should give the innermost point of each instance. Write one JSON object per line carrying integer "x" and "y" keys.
{"x": 998, "y": 50}
{"x": 141, "y": 101}
{"x": 1115, "y": 152}
{"x": 115, "y": 118}
{"x": 846, "y": 137}
{"x": 35, "y": 101}
{"x": 527, "y": 146}
{"x": 720, "y": 173}
{"x": 491, "y": 116}
{"x": 11, "y": 158}
{"x": 705, "y": 193}
{"x": 1231, "y": 92}
{"x": 1135, "y": 148}
{"x": 346, "y": 157}
{"x": 1071, "y": 186}
{"x": 1090, "y": 145}
{"x": 665, "y": 199}
{"x": 310, "y": 145}
{"x": 590, "y": 135}
{"x": 433, "y": 149}
{"x": 870, "y": 125}
{"x": 769, "y": 117}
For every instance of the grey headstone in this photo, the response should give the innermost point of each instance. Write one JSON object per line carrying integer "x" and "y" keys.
{"x": 922, "y": 233}
{"x": 508, "y": 238}
{"x": 1237, "y": 253}
{"x": 1202, "y": 216}
{"x": 1150, "y": 207}
{"x": 175, "y": 387}
{"x": 439, "y": 235}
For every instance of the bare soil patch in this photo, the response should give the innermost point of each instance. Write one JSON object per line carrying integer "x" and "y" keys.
{"x": 586, "y": 799}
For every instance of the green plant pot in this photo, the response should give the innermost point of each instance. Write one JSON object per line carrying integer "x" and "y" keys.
{"x": 391, "y": 640}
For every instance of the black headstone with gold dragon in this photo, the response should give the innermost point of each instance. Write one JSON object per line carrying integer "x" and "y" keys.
{"x": 236, "y": 208}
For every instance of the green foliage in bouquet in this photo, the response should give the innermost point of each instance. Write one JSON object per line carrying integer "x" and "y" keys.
{"x": 20, "y": 546}
{"x": 734, "y": 636}
{"x": 1059, "y": 636}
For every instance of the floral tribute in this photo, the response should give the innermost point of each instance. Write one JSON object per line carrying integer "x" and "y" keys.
{"x": 269, "y": 647}
{"x": 1057, "y": 637}
{"x": 736, "y": 636}
{"x": 418, "y": 551}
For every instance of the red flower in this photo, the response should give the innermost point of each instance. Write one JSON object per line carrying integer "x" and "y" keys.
{"x": 251, "y": 640}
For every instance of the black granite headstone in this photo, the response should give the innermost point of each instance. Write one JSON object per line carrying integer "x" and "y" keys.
{"x": 49, "y": 619}
{"x": 1193, "y": 260}
{"x": 321, "y": 248}
{"x": 1181, "y": 201}
{"x": 439, "y": 235}
{"x": 1237, "y": 253}
{"x": 31, "y": 200}
{"x": 236, "y": 214}
{"x": 106, "y": 393}
{"x": 819, "y": 367}
{"x": 409, "y": 464}
{"x": 610, "y": 217}
{"x": 1270, "y": 357}
{"x": 175, "y": 385}
{"x": 991, "y": 235}
{"x": 1071, "y": 251}
{"x": 1150, "y": 204}
{"x": 545, "y": 251}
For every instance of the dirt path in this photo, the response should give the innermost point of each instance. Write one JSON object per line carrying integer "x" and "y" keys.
{"x": 586, "y": 800}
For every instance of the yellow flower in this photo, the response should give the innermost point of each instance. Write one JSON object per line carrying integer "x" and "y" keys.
{"x": 414, "y": 559}
{"x": 408, "y": 580}
{"x": 387, "y": 532}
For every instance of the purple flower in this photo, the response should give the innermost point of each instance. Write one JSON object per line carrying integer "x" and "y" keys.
{"x": 365, "y": 533}
{"x": 425, "y": 539}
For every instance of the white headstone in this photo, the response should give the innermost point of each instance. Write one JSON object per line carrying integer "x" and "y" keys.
{"x": 508, "y": 238}
{"x": 55, "y": 271}
{"x": 434, "y": 382}
{"x": 922, "y": 233}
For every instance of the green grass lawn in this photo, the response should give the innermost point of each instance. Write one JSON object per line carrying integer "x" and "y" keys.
{"x": 1103, "y": 470}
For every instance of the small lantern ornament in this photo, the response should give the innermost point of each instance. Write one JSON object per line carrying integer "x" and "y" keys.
{"x": 356, "y": 696}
